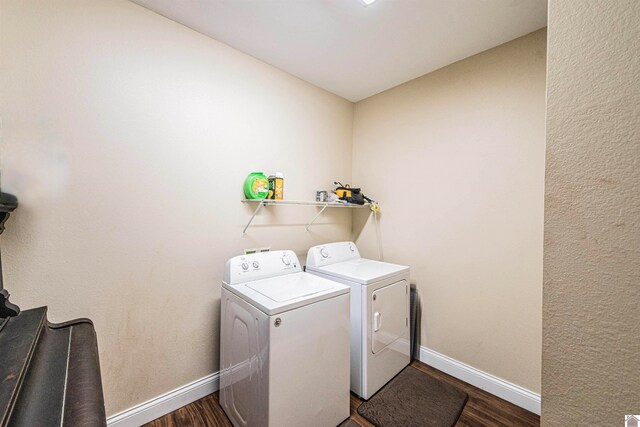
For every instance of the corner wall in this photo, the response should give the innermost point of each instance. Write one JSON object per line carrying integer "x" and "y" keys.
{"x": 122, "y": 131}
{"x": 456, "y": 160}
{"x": 126, "y": 138}
{"x": 591, "y": 320}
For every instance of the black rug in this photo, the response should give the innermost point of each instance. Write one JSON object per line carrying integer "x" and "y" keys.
{"x": 414, "y": 399}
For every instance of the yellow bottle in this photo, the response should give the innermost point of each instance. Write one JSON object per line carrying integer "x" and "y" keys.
{"x": 278, "y": 188}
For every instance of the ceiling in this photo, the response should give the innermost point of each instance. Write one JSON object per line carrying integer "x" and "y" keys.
{"x": 352, "y": 50}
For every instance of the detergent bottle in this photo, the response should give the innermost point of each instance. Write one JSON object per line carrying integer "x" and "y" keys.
{"x": 256, "y": 186}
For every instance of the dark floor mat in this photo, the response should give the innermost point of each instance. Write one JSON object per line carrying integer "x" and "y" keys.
{"x": 414, "y": 398}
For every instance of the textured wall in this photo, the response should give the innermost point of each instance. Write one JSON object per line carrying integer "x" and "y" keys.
{"x": 456, "y": 159}
{"x": 591, "y": 318}
{"x": 127, "y": 138}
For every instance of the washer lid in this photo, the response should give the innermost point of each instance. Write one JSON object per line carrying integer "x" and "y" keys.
{"x": 278, "y": 294}
{"x": 361, "y": 270}
{"x": 287, "y": 288}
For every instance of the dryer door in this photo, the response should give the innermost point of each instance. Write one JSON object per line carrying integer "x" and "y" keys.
{"x": 389, "y": 317}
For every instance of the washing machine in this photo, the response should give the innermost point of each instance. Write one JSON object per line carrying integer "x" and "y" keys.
{"x": 284, "y": 344}
{"x": 380, "y": 339}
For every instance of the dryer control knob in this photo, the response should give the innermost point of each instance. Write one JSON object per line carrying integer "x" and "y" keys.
{"x": 256, "y": 264}
{"x": 245, "y": 266}
{"x": 324, "y": 253}
{"x": 286, "y": 260}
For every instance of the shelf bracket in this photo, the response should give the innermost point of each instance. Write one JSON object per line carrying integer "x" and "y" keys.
{"x": 260, "y": 205}
{"x": 317, "y": 216}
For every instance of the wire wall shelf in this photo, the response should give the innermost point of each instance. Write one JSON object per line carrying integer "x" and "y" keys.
{"x": 324, "y": 205}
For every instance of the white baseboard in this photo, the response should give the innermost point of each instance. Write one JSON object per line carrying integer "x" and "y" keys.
{"x": 510, "y": 392}
{"x": 168, "y": 402}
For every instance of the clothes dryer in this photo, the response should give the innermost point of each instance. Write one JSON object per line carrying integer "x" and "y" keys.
{"x": 380, "y": 339}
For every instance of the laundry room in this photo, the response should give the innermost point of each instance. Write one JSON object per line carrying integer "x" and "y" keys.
{"x": 319, "y": 212}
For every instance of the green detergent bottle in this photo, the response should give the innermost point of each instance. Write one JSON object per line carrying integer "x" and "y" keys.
{"x": 256, "y": 186}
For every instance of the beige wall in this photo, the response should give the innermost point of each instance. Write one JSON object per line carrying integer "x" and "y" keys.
{"x": 126, "y": 138}
{"x": 456, "y": 159}
{"x": 591, "y": 321}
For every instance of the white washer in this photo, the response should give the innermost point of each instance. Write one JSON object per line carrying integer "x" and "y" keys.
{"x": 380, "y": 341}
{"x": 284, "y": 344}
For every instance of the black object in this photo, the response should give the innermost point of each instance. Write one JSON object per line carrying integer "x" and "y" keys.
{"x": 8, "y": 202}
{"x": 357, "y": 198}
{"x": 50, "y": 373}
{"x": 414, "y": 315}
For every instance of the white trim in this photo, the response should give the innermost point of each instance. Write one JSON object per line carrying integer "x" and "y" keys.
{"x": 504, "y": 389}
{"x": 168, "y": 402}
{"x": 181, "y": 396}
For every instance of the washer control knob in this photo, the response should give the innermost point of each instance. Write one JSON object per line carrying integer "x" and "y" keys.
{"x": 286, "y": 260}
{"x": 256, "y": 264}
{"x": 324, "y": 253}
{"x": 351, "y": 248}
{"x": 245, "y": 266}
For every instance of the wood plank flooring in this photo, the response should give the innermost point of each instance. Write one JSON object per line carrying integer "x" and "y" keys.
{"x": 482, "y": 409}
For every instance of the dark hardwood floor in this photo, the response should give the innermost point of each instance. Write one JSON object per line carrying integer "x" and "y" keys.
{"x": 482, "y": 409}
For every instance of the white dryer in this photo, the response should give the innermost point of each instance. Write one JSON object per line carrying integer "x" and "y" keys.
{"x": 284, "y": 344}
{"x": 380, "y": 342}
